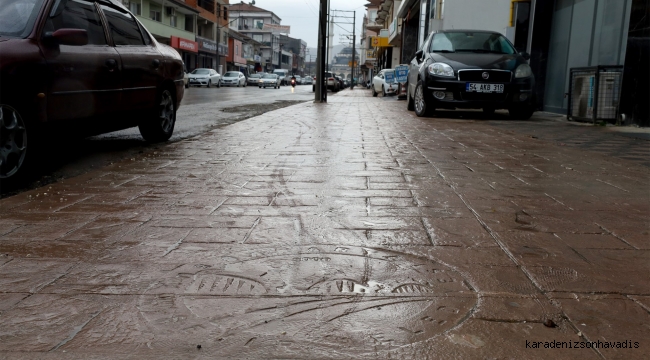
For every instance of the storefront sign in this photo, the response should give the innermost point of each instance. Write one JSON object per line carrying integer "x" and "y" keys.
{"x": 207, "y": 45}
{"x": 278, "y": 29}
{"x": 184, "y": 44}
{"x": 379, "y": 41}
{"x": 258, "y": 59}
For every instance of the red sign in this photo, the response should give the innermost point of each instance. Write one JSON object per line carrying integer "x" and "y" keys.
{"x": 184, "y": 44}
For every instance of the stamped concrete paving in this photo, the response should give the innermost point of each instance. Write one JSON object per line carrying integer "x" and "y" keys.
{"x": 346, "y": 230}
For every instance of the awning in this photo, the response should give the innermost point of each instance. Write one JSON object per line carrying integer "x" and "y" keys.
{"x": 404, "y": 8}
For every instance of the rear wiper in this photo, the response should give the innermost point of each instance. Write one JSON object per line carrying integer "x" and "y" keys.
{"x": 444, "y": 51}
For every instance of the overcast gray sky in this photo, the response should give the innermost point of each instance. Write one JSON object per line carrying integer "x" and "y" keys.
{"x": 302, "y": 15}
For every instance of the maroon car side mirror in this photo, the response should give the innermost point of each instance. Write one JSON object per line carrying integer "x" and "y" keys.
{"x": 73, "y": 37}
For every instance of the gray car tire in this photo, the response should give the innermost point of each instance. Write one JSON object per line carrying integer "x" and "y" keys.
{"x": 422, "y": 108}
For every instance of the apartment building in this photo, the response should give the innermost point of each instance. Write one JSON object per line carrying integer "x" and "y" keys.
{"x": 262, "y": 26}
{"x": 190, "y": 26}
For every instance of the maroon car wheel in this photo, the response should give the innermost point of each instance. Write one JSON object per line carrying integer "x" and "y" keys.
{"x": 13, "y": 142}
{"x": 161, "y": 126}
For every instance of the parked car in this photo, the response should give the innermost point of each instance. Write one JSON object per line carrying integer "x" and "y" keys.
{"x": 186, "y": 80}
{"x": 283, "y": 74}
{"x": 204, "y": 77}
{"x": 269, "y": 80}
{"x": 234, "y": 78}
{"x": 74, "y": 68}
{"x": 332, "y": 83}
{"x": 470, "y": 69}
{"x": 253, "y": 79}
{"x": 379, "y": 83}
{"x": 340, "y": 80}
{"x": 308, "y": 80}
{"x": 298, "y": 79}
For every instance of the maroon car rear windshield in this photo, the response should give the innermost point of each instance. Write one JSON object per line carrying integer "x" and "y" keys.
{"x": 17, "y": 17}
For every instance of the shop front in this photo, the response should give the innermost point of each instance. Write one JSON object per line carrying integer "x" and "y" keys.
{"x": 223, "y": 54}
{"x": 236, "y": 60}
{"x": 189, "y": 51}
{"x": 207, "y": 53}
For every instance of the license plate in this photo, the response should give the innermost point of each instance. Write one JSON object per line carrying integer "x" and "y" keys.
{"x": 485, "y": 88}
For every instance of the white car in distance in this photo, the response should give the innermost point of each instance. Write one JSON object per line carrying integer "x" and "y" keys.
{"x": 234, "y": 78}
{"x": 270, "y": 80}
{"x": 202, "y": 76}
{"x": 379, "y": 83}
{"x": 253, "y": 79}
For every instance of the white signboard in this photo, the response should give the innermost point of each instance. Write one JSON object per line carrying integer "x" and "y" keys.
{"x": 278, "y": 29}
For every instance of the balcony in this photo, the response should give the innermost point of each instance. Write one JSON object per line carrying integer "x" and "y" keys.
{"x": 207, "y": 5}
{"x": 374, "y": 26}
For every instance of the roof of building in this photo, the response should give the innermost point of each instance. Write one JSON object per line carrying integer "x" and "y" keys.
{"x": 249, "y": 8}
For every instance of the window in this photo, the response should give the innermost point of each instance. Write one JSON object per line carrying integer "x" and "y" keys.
{"x": 471, "y": 42}
{"x": 154, "y": 15}
{"x": 258, "y": 37}
{"x": 258, "y": 24}
{"x": 172, "y": 21}
{"x": 218, "y": 10}
{"x": 135, "y": 7}
{"x": 124, "y": 29}
{"x": 189, "y": 23}
{"x": 77, "y": 14}
{"x": 17, "y": 17}
{"x": 372, "y": 15}
{"x": 225, "y": 14}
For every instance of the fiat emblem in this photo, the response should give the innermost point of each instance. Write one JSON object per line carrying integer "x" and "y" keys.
{"x": 486, "y": 75}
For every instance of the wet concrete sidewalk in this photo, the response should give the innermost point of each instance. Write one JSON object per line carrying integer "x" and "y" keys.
{"x": 346, "y": 230}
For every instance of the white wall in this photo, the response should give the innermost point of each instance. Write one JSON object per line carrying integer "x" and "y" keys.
{"x": 491, "y": 15}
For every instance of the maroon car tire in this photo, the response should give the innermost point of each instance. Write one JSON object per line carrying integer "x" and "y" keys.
{"x": 20, "y": 146}
{"x": 160, "y": 126}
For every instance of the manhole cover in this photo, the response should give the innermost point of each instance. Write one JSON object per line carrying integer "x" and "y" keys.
{"x": 322, "y": 297}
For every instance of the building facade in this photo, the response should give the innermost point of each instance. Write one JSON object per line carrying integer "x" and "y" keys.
{"x": 250, "y": 20}
{"x": 190, "y": 26}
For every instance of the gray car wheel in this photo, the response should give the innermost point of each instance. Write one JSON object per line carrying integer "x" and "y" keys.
{"x": 421, "y": 106}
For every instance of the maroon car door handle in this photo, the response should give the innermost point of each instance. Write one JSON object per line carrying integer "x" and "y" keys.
{"x": 111, "y": 64}
{"x": 155, "y": 63}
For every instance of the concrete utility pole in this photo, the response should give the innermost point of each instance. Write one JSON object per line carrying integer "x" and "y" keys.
{"x": 321, "y": 82}
{"x": 354, "y": 52}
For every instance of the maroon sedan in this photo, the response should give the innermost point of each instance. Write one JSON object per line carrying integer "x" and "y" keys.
{"x": 79, "y": 68}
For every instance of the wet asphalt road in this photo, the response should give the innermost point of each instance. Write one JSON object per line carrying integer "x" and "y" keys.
{"x": 347, "y": 230}
{"x": 202, "y": 109}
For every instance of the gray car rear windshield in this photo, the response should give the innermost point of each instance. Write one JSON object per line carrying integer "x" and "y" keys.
{"x": 17, "y": 17}
{"x": 201, "y": 71}
{"x": 463, "y": 41}
{"x": 232, "y": 74}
